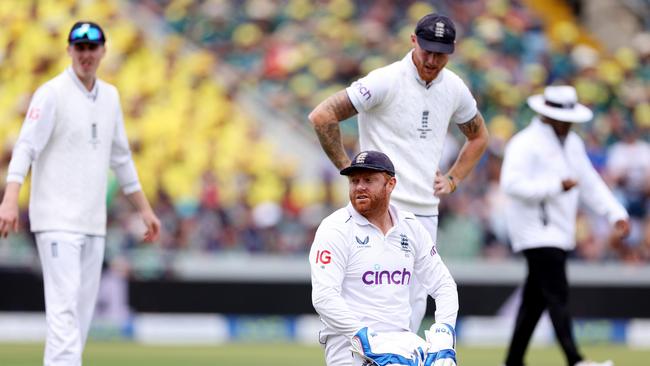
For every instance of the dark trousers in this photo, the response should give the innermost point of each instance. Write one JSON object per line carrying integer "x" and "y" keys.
{"x": 546, "y": 287}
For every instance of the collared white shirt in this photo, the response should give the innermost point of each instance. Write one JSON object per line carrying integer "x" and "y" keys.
{"x": 361, "y": 277}
{"x": 407, "y": 120}
{"x": 539, "y": 213}
{"x": 636, "y": 170}
{"x": 90, "y": 94}
{"x": 70, "y": 137}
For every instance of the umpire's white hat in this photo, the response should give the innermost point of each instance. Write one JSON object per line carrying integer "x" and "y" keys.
{"x": 561, "y": 104}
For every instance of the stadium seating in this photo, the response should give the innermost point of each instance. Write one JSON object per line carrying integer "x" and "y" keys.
{"x": 298, "y": 53}
{"x": 219, "y": 185}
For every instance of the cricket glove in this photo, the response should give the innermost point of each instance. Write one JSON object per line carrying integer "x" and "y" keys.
{"x": 389, "y": 348}
{"x": 441, "y": 339}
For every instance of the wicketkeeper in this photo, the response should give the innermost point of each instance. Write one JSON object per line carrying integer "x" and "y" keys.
{"x": 363, "y": 260}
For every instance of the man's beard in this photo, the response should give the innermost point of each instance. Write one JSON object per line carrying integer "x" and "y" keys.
{"x": 376, "y": 202}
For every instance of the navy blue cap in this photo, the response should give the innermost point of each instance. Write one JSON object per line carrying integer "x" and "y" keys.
{"x": 436, "y": 33}
{"x": 86, "y": 32}
{"x": 372, "y": 160}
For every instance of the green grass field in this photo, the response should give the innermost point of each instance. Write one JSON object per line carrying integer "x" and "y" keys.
{"x": 281, "y": 354}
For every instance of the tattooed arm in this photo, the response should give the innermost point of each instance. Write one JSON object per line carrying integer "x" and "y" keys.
{"x": 325, "y": 118}
{"x": 475, "y": 144}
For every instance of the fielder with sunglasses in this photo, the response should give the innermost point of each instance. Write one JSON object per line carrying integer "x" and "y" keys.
{"x": 72, "y": 134}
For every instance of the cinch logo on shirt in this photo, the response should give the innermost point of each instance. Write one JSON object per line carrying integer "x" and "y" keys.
{"x": 397, "y": 277}
{"x": 365, "y": 92}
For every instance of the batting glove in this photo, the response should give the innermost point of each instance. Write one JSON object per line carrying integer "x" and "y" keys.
{"x": 389, "y": 348}
{"x": 442, "y": 345}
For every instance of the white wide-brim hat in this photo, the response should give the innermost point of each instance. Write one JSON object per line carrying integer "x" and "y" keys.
{"x": 561, "y": 104}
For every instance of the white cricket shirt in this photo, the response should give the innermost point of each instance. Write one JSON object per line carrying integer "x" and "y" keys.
{"x": 70, "y": 137}
{"x": 636, "y": 170}
{"x": 360, "y": 277}
{"x": 407, "y": 120}
{"x": 539, "y": 213}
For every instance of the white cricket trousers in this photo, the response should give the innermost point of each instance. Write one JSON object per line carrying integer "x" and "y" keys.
{"x": 417, "y": 294}
{"x": 72, "y": 265}
{"x": 337, "y": 351}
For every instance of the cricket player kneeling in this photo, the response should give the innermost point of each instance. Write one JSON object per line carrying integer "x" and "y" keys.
{"x": 406, "y": 348}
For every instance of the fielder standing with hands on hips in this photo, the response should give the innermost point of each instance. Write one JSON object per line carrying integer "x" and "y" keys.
{"x": 363, "y": 261}
{"x": 404, "y": 111}
{"x": 545, "y": 172}
{"x": 72, "y": 134}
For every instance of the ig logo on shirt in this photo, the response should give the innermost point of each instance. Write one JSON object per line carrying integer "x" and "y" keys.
{"x": 34, "y": 114}
{"x": 323, "y": 257}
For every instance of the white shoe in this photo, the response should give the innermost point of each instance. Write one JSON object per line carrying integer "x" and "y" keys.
{"x": 592, "y": 363}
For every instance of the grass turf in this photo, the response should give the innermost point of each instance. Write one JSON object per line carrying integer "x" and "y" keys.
{"x": 283, "y": 354}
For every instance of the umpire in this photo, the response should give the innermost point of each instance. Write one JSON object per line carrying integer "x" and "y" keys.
{"x": 545, "y": 172}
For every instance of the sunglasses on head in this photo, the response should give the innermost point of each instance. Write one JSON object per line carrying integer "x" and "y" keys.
{"x": 86, "y": 31}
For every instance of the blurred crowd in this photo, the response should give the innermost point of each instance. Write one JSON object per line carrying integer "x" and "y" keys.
{"x": 216, "y": 182}
{"x": 219, "y": 186}
{"x": 298, "y": 52}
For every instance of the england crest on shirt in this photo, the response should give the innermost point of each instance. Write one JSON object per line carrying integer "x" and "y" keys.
{"x": 404, "y": 243}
